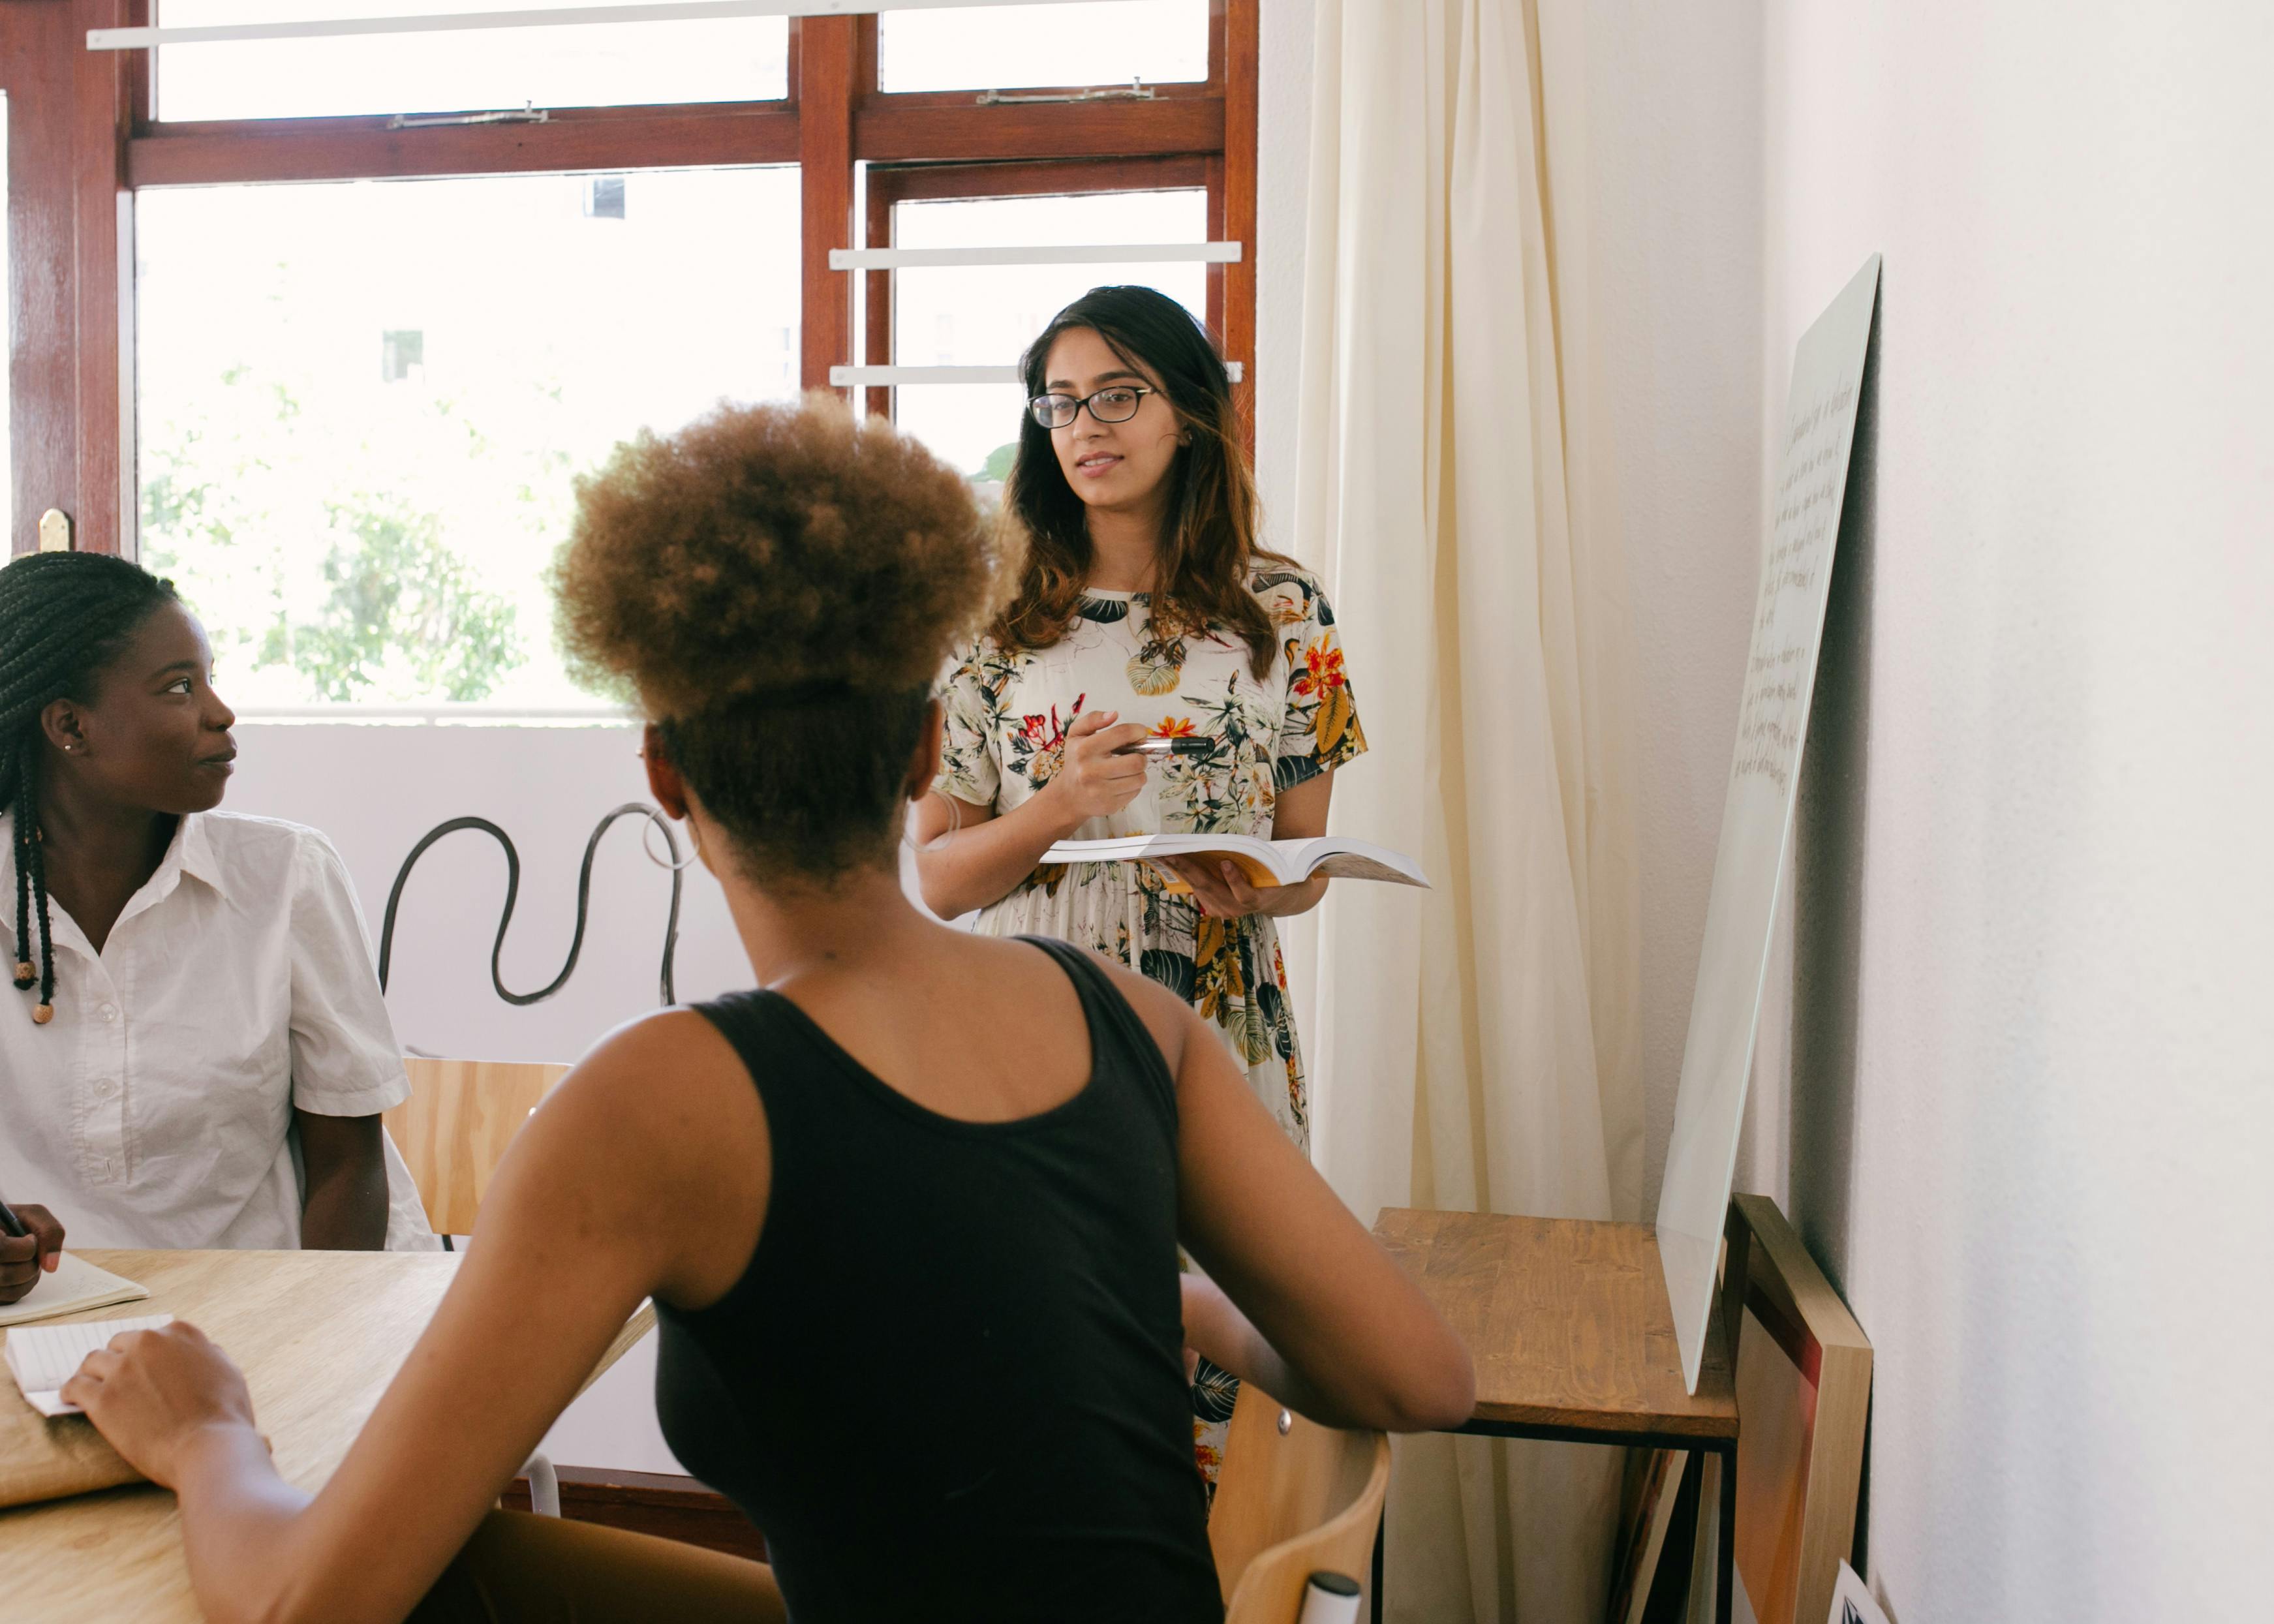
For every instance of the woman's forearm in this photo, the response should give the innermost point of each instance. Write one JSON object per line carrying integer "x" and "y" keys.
{"x": 1229, "y": 1340}
{"x": 239, "y": 1519}
{"x": 979, "y": 863}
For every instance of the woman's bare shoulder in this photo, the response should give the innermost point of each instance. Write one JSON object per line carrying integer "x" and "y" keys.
{"x": 671, "y": 1069}
{"x": 1166, "y": 1016}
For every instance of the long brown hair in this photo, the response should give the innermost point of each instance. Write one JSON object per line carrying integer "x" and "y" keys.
{"x": 1208, "y": 545}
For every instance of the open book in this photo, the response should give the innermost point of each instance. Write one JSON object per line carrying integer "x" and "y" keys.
{"x": 1265, "y": 862}
{"x": 42, "y": 1357}
{"x": 75, "y": 1287}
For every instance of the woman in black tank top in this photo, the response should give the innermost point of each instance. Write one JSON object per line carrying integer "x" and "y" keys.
{"x": 921, "y": 1180}
{"x": 1028, "y": 1265}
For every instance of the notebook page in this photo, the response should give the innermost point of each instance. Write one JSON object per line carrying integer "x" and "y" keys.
{"x": 42, "y": 1357}
{"x": 74, "y": 1287}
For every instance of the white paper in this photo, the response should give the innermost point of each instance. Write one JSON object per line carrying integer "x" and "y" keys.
{"x": 75, "y": 1287}
{"x": 43, "y": 1358}
{"x": 1852, "y": 1604}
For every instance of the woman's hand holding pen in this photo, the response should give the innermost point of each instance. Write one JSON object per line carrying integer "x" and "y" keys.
{"x": 1095, "y": 779}
{"x": 24, "y": 1256}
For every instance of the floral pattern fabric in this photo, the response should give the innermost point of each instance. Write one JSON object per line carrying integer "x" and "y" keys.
{"x": 1007, "y": 714}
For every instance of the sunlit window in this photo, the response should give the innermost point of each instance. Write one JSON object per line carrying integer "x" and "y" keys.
{"x": 587, "y": 64}
{"x": 1003, "y": 47}
{"x": 380, "y": 532}
{"x": 987, "y": 315}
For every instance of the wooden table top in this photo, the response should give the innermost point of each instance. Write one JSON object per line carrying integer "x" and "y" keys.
{"x": 1567, "y": 1320}
{"x": 319, "y": 1335}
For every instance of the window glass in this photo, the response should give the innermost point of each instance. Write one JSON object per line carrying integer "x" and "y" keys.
{"x": 986, "y": 315}
{"x": 362, "y": 405}
{"x": 1003, "y": 47}
{"x": 585, "y": 64}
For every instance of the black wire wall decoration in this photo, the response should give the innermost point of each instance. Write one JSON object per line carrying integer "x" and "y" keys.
{"x": 632, "y": 808}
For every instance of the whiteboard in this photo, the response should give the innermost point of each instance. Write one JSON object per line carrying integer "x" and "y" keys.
{"x": 1827, "y": 378}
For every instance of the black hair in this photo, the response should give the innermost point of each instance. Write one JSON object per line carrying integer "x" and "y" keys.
{"x": 779, "y": 586}
{"x": 64, "y": 617}
{"x": 806, "y": 781}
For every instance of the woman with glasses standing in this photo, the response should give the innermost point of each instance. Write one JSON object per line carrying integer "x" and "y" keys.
{"x": 1146, "y": 610}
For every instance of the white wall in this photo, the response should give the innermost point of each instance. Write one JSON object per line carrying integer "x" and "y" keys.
{"x": 2031, "y": 1086}
{"x": 375, "y": 789}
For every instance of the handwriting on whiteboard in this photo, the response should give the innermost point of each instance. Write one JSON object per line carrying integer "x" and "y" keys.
{"x": 1808, "y": 502}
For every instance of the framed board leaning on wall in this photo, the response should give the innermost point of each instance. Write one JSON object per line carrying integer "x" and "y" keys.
{"x": 1804, "y": 1374}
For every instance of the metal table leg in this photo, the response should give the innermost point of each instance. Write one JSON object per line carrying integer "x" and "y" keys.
{"x": 1725, "y": 1554}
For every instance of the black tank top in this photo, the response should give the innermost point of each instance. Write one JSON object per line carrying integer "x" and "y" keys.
{"x": 950, "y": 1384}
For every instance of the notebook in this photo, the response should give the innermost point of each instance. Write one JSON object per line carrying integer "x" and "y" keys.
{"x": 1266, "y": 862}
{"x": 42, "y": 1357}
{"x": 75, "y": 1287}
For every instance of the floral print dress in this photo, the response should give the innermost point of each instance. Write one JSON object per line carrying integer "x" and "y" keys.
{"x": 1007, "y": 714}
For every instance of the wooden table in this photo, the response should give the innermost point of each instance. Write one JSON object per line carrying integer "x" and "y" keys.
{"x": 1569, "y": 1324}
{"x": 318, "y": 1335}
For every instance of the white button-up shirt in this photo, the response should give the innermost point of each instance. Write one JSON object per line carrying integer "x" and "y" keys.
{"x": 155, "y": 1109}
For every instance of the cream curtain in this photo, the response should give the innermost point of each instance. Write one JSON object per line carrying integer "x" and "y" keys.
{"x": 1476, "y": 1046}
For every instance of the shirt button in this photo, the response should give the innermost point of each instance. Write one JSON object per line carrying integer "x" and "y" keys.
{"x": 102, "y": 1087}
{"x": 110, "y": 1013}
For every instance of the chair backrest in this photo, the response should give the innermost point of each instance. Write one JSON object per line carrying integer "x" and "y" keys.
{"x": 1294, "y": 1498}
{"x": 455, "y": 1127}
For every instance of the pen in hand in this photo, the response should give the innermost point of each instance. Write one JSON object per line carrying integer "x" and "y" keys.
{"x": 20, "y": 1273}
{"x": 1188, "y": 746}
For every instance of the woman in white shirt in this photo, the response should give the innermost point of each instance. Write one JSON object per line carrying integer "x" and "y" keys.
{"x": 201, "y": 1053}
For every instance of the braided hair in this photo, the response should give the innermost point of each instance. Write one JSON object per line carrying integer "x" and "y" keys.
{"x": 63, "y": 617}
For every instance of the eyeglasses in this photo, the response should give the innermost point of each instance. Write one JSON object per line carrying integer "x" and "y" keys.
{"x": 1117, "y": 404}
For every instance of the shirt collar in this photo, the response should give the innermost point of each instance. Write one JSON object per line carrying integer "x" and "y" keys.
{"x": 190, "y": 852}
{"x": 193, "y": 848}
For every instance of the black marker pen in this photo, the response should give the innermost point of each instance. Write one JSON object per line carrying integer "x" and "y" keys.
{"x": 1168, "y": 746}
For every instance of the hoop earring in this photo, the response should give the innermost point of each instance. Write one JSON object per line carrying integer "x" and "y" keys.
{"x": 648, "y": 827}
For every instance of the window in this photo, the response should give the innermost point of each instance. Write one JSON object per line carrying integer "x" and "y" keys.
{"x": 402, "y": 356}
{"x": 604, "y": 197}
{"x": 347, "y": 538}
{"x": 986, "y": 315}
{"x": 1105, "y": 42}
{"x": 365, "y": 528}
{"x": 590, "y": 64}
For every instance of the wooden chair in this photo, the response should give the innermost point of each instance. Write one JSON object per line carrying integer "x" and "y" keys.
{"x": 453, "y": 1131}
{"x": 455, "y": 1127}
{"x": 1295, "y": 1499}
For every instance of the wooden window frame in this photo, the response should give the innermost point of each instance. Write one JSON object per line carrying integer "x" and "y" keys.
{"x": 927, "y": 183}
{"x": 82, "y": 138}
